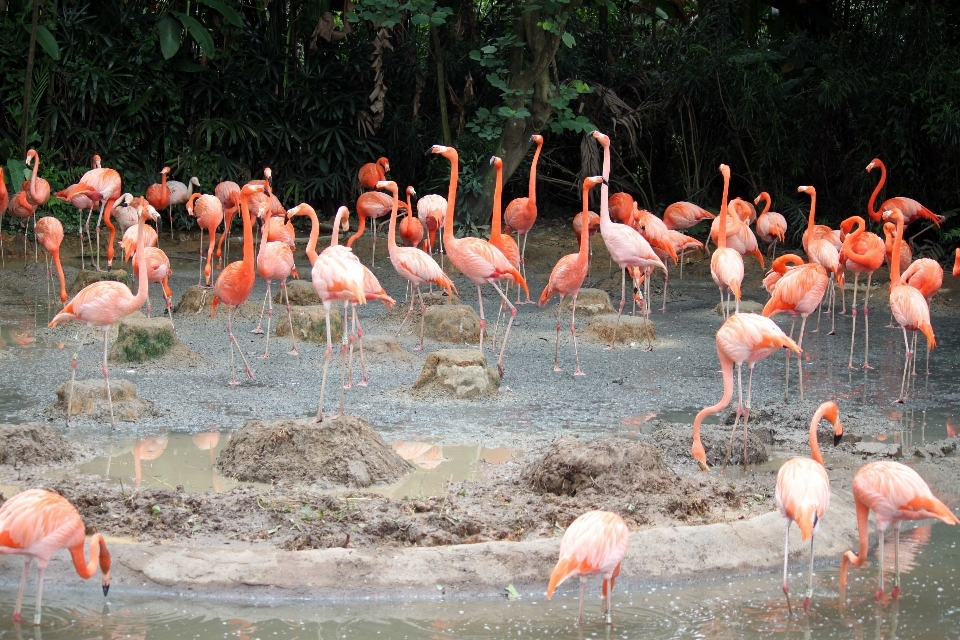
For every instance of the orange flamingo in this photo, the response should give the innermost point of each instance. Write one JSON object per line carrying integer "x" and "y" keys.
{"x": 37, "y": 190}
{"x": 521, "y": 213}
{"x": 655, "y": 231}
{"x": 911, "y": 209}
{"x": 593, "y": 543}
{"x": 956, "y": 260}
{"x": 771, "y": 226}
{"x": 432, "y": 209}
{"x": 21, "y": 208}
{"x": 129, "y": 241}
{"x": 907, "y": 304}
{"x": 275, "y": 262}
{"x": 502, "y": 241}
{"x": 108, "y": 185}
{"x": 49, "y": 233}
{"x": 626, "y": 246}
{"x": 373, "y": 172}
{"x": 158, "y": 194}
{"x": 228, "y": 193}
{"x": 38, "y": 523}
{"x": 778, "y": 268}
{"x": 208, "y": 210}
{"x": 567, "y": 277}
{"x": 683, "y": 215}
{"x": 894, "y": 492}
{"x": 863, "y": 252}
{"x": 235, "y": 282}
{"x": 158, "y": 271}
{"x": 410, "y": 228}
{"x": 726, "y": 264}
{"x": 412, "y": 264}
{"x": 100, "y": 304}
{"x": 374, "y": 205}
{"x": 4, "y": 203}
{"x": 745, "y": 211}
{"x": 926, "y": 276}
{"x": 906, "y": 256}
{"x": 477, "y": 259}
{"x": 820, "y": 244}
{"x": 798, "y": 293}
{"x": 622, "y": 206}
{"x": 803, "y": 493}
{"x": 593, "y": 223}
{"x": 743, "y": 338}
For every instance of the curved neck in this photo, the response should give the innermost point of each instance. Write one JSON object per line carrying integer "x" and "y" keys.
{"x": 190, "y": 187}
{"x": 247, "y": 233}
{"x": 264, "y": 233}
{"x": 55, "y": 254}
{"x": 360, "y": 228}
{"x": 850, "y": 242}
{"x": 585, "y": 224}
{"x": 163, "y": 180}
{"x": 311, "y": 249}
{"x": 448, "y": 236}
{"x": 605, "y": 187}
{"x": 871, "y": 211}
{"x": 532, "y": 188}
{"x": 33, "y": 176}
{"x": 495, "y": 222}
{"x": 813, "y": 210}
{"x": 726, "y": 367}
{"x": 766, "y": 203}
{"x": 814, "y": 445}
{"x": 409, "y": 206}
{"x": 337, "y": 220}
{"x": 141, "y": 258}
{"x": 99, "y": 556}
{"x": 895, "y": 257}
{"x": 722, "y": 238}
{"x": 392, "y": 228}
{"x": 191, "y": 201}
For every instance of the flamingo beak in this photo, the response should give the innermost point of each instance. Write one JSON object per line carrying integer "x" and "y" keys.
{"x": 836, "y": 439}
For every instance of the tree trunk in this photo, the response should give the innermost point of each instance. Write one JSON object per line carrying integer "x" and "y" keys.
{"x": 28, "y": 79}
{"x": 441, "y": 87}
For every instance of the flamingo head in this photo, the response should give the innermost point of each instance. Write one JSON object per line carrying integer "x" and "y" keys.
{"x": 725, "y": 171}
{"x": 164, "y": 171}
{"x": 806, "y": 189}
{"x": 387, "y": 185}
{"x": 893, "y": 215}
{"x": 383, "y": 162}
{"x": 344, "y": 214}
{"x": 873, "y": 164}
{"x": 496, "y": 162}
{"x": 536, "y": 138}
{"x": 602, "y": 138}
{"x": 96, "y": 161}
{"x": 194, "y": 181}
{"x": 700, "y": 455}
{"x": 763, "y": 196}
{"x": 31, "y": 155}
{"x": 593, "y": 181}
{"x": 126, "y": 199}
{"x": 411, "y": 192}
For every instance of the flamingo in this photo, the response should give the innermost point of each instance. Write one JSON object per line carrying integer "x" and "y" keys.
{"x": 820, "y": 244}
{"x": 655, "y": 231}
{"x": 49, "y": 233}
{"x": 905, "y": 256}
{"x": 682, "y": 244}
{"x": 743, "y": 338}
{"x": 432, "y": 209}
{"x": 477, "y": 259}
{"x": 4, "y": 203}
{"x": 593, "y": 223}
{"x": 771, "y": 226}
{"x": 567, "y": 277}
{"x": 373, "y": 172}
{"x": 372, "y": 204}
{"x": 894, "y": 492}
{"x": 158, "y": 271}
{"x": 626, "y": 246}
{"x": 956, "y": 260}
{"x": 911, "y": 209}
{"x": 778, "y": 268}
{"x": 683, "y": 215}
{"x": 100, "y": 304}
{"x": 593, "y": 543}
{"x": 235, "y": 282}
{"x": 745, "y": 211}
{"x": 622, "y": 207}
{"x": 124, "y": 213}
{"x": 521, "y": 213}
{"x": 413, "y": 265}
{"x": 105, "y": 183}
{"x": 410, "y": 228}
{"x": 863, "y": 252}
{"x": 228, "y": 193}
{"x": 908, "y": 305}
{"x": 803, "y": 493}
{"x": 38, "y": 523}
{"x": 37, "y": 190}
{"x": 129, "y": 242}
{"x": 208, "y": 210}
{"x": 726, "y": 264}
{"x": 21, "y": 208}
{"x": 926, "y": 276}
{"x": 158, "y": 195}
{"x": 274, "y": 262}
{"x": 84, "y": 200}
{"x": 502, "y": 241}
{"x": 798, "y": 293}
{"x": 739, "y": 236}
{"x": 179, "y": 194}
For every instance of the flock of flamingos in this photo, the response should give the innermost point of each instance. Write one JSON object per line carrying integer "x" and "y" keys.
{"x": 36, "y": 523}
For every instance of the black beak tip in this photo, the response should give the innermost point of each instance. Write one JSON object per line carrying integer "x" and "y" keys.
{"x": 836, "y": 439}
{"x": 605, "y": 182}
{"x": 106, "y": 589}
{"x": 428, "y": 151}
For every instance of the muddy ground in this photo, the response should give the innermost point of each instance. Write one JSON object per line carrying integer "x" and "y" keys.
{"x": 628, "y": 398}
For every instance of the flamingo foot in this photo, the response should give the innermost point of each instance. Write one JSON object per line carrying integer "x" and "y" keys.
{"x": 806, "y": 604}
{"x": 332, "y": 416}
{"x": 500, "y": 370}
{"x": 879, "y": 595}
{"x": 557, "y": 369}
{"x": 900, "y": 400}
{"x": 293, "y": 352}
{"x": 420, "y": 348}
{"x": 866, "y": 366}
{"x": 578, "y": 372}
{"x": 259, "y": 330}
{"x": 831, "y": 333}
{"x": 851, "y": 367}
{"x": 234, "y": 382}
{"x": 895, "y": 593}
{"x": 250, "y": 374}
{"x": 265, "y": 356}
{"x": 364, "y": 382}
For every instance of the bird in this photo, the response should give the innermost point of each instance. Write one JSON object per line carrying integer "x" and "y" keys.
{"x": 593, "y": 222}
{"x": 274, "y": 262}
{"x": 567, "y": 277}
{"x": 372, "y": 204}
{"x": 521, "y": 213}
{"x": 798, "y": 292}
{"x": 594, "y": 543}
{"x": 956, "y": 260}
{"x": 432, "y": 209}
{"x": 124, "y": 213}
{"x": 37, "y": 523}
{"x": 208, "y": 210}
{"x": 739, "y": 236}
{"x": 109, "y": 186}
{"x": 21, "y": 208}
{"x": 129, "y": 242}
{"x": 179, "y": 194}
{"x": 626, "y": 246}
{"x": 926, "y": 276}
{"x": 86, "y": 200}
{"x": 726, "y": 264}
{"x": 911, "y": 209}
{"x": 414, "y": 265}
{"x": 803, "y": 493}
{"x": 683, "y": 215}
{"x": 907, "y": 304}
{"x": 235, "y": 282}
{"x": 158, "y": 271}
{"x": 743, "y": 338}
{"x": 477, "y": 259}
{"x": 372, "y": 290}
{"x": 502, "y": 241}
{"x": 894, "y": 492}
{"x": 863, "y": 252}
{"x": 821, "y": 247}
{"x": 37, "y": 189}
{"x": 410, "y": 228}
{"x": 372, "y": 173}
{"x": 744, "y": 210}
{"x": 100, "y": 304}
{"x": 49, "y": 233}
{"x": 778, "y": 268}
{"x": 906, "y": 256}
{"x": 228, "y": 193}
{"x": 655, "y": 231}
{"x": 158, "y": 195}
{"x": 622, "y": 207}
{"x": 771, "y": 226}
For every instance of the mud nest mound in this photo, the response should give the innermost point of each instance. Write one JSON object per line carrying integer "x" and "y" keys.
{"x": 32, "y": 444}
{"x": 675, "y": 440}
{"x": 611, "y": 466}
{"x": 335, "y": 453}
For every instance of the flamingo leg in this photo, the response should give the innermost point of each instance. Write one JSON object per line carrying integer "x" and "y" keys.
{"x": 746, "y": 415}
{"x": 914, "y": 368}
{"x": 36, "y": 254}
{"x": 208, "y": 270}
{"x": 896, "y": 560}
{"x": 263, "y": 307}
{"x": 106, "y": 376}
{"x": 99, "y": 218}
{"x": 623, "y": 295}
{"x": 500, "y": 310}
{"x": 736, "y": 420}
{"x": 23, "y": 584}
{"x": 809, "y": 595}
{"x": 786, "y": 386}
{"x": 583, "y": 595}
{"x": 3, "y": 258}
{"x": 359, "y": 331}
{"x": 608, "y": 605}
{"x": 293, "y": 338}
{"x": 723, "y": 305}
{"x": 234, "y": 343}
{"x": 556, "y": 348}
{"x": 170, "y": 216}
{"x": 573, "y": 331}
{"x": 666, "y": 279}
{"x": 906, "y": 369}
{"x": 483, "y": 321}
{"x": 786, "y": 559}
{"x": 373, "y": 254}
{"x": 326, "y": 361}
{"x": 853, "y": 312}
{"x": 423, "y": 315}
{"x": 352, "y": 337}
{"x": 803, "y": 324}
{"x": 343, "y": 360}
{"x": 168, "y": 297}
{"x": 200, "y": 279}
{"x": 41, "y": 570}
{"x": 833, "y": 305}
{"x": 407, "y": 317}
{"x": 928, "y": 357}
{"x": 646, "y": 304}
{"x": 682, "y": 253}
{"x": 269, "y": 301}
{"x": 506, "y": 334}
{"x": 866, "y": 323}
{"x": 880, "y": 562}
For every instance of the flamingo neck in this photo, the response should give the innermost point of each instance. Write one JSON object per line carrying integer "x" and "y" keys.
{"x": 360, "y": 228}
{"x": 141, "y": 258}
{"x": 766, "y": 203}
{"x": 871, "y": 210}
{"x": 850, "y": 242}
{"x": 247, "y": 235}
{"x": 335, "y": 235}
{"x": 392, "y": 228}
{"x": 448, "y": 237}
{"x": 722, "y": 238}
{"x": 584, "y": 251}
{"x": 33, "y": 176}
{"x": 532, "y": 188}
{"x": 55, "y": 254}
{"x": 264, "y": 233}
{"x": 863, "y": 513}
{"x": 191, "y": 202}
{"x": 495, "y": 222}
{"x": 895, "y": 256}
{"x": 311, "y": 249}
{"x": 726, "y": 367}
{"x": 814, "y": 445}
{"x": 810, "y": 216}
{"x": 190, "y": 188}
{"x": 605, "y": 188}
{"x": 99, "y": 556}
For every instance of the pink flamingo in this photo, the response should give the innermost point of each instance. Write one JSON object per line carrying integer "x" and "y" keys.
{"x": 410, "y": 228}
{"x": 158, "y": 271}
{"x": 432, "y": 209}
{"x": 863, "y": 252}
{"x": 658, "y": 235}
{"x": 37, "y": 190}
{"x": 926, "y": 276}
{"x": 275, "y": 262}
{"x": 910, "y": 208}
{"x": 228, "y": 193}
{"x": 373, "y": 205}
{"x": 726, "y": 264}
{"x": 49, "y": 233}
{"x": 208, "y": 210}
{"x": 521, "y": 213}
{"x": 100, "y": 304}
{"x": 821, "y": 246}
{"x": 771, "y": 226}
{"x": 778, "y": 268}
{"x": 683, "y": 215}
{"x": 109, "y": 186}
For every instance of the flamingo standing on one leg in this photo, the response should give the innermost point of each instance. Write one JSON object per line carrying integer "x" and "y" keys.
{"x": 414, "y": 265}
{"x": 477, "y": 259}
{"x": 771, "y": 226}
{"x": 894, "y": 492}
{"x": 726, "y": 264}
{"x": 49, "y": 232}
{"x": 594, "y": 543}
{"x": 372, "y": 173}
{"x": 803, "y": 493}
{"x": 521, "y": 213}
{"x": 179, "y": 194}
{"x": 567, "y": 277}
{"x": 100, "y": 304}
{"x": 926, "y": 276}
{"x": 208, "y": 211}
{"x": 863, "y": 253}
{"x": 38, "y": 523}
{"x": 743, "y": 338}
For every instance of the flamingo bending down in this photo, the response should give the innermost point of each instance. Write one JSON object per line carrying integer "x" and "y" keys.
{"x": 743, "y": 338}
{"x": 49, "y": 233}
{"x": 100, "y": 304}
{"x": 771, "y": 226}
{"x": 208, "y": 210}
{"x": 235, "y": 282}
{"x": 726, "y": 264}
{"x": 911, "y": 209}
{"x": 414, "y": 265}
{"x": 373, "y": 172}
{"x": 821, "y": 248}
{"x": 521, "y": 213}
{"x": 803, "y": 493}
{"x": 863, "y": 252}
{"x": 593, "y": 543}
{"x": 125, "y": 213}
{"x": 626, "y": 246}
{"x": 158, "y": 271}
{"x": 179, "y": 194}
{"x": 894, "y": 492}
{"x": 778, "y": 268}
{"x": 907, "y": 304}
{"x": 374, "y": 205}
{"x": 410, "y": 228}
{"x": 683, "y": 215}
{"x": 38, "y": 523}
{"x": 567, "y": 277}
{"x": 477, "y": 259}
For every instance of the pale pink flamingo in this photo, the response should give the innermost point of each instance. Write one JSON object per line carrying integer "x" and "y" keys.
{"x": 683, "y": 215}
{"x": 125, "y": 213}
{"x": 926, "y": 276}
{"x": 726, "y": 264}
{"x": 274, "y": 262}
{"x": 158, "y": 271}
{"x": 822, "y": 249}
{"x": 109, "y": 186}
{"x": 208, "y": 210}
{"x": 771, "y": 226}
{"x": 37, "y": 191}
{"x": 739, "y": 236}
{"x": 129, "y": 242}
{"x": 179, "y": 194}
{"x": 863, "y": 253}
{"x": 49, "y": 233}
{"x": 778, "y": 268}
{"x": 521, "y": 213}
{"x": 744, "y": 210}
{"x": 905, "y": 256}
{"x": 228, "y": 193}
{"x": 432, "y": 209}
{"x": 373, "y": 205}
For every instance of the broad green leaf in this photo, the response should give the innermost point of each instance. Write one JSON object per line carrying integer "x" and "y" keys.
{"x": 170, "y": 32}
{"x": 199, "y": 33}
{"x": 420, "y": 19}
{"x": 46, "y": 40}
{"x": 228, "y": 12}
{"x": 489, "y": 49}
{"x": 569, "y": 40}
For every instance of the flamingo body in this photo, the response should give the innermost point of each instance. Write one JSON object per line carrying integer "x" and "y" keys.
{"x": 683, "y": 215}
{"x": 49, "y": 232}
